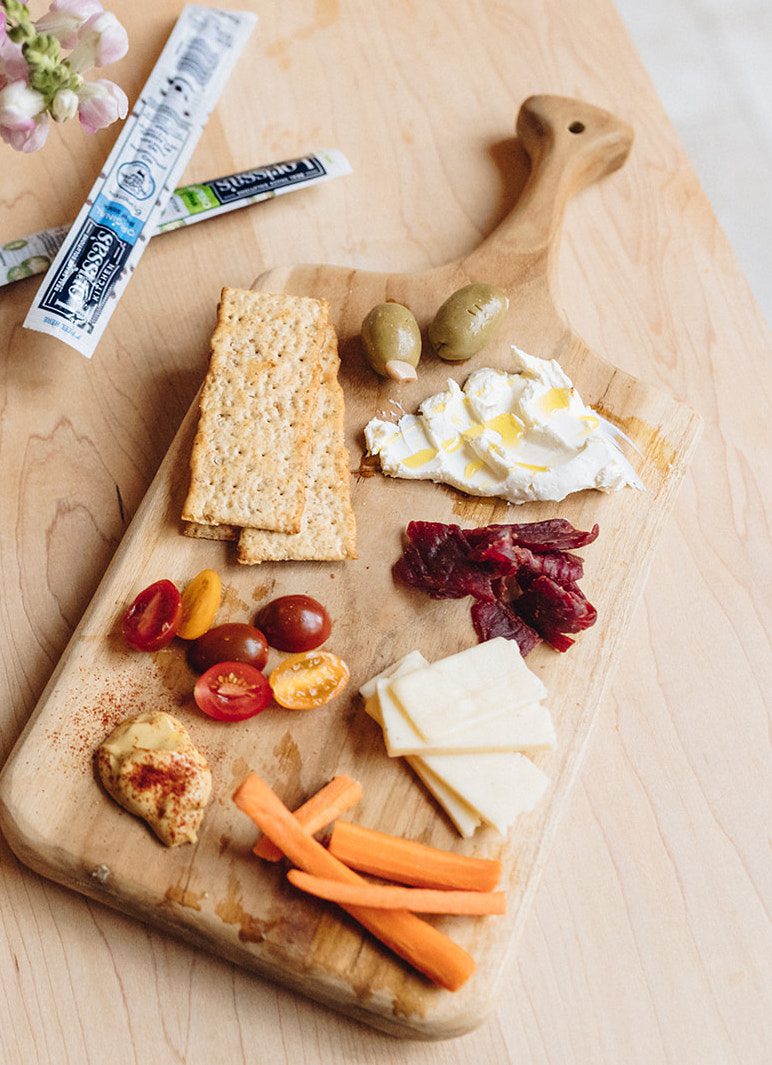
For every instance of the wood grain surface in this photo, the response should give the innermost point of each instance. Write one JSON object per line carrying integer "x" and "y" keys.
{"x": 216, "y": 893}
{"x": 648, "y": 940}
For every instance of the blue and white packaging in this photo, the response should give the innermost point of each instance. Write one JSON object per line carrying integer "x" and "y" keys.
{"x": 86, "y": 279}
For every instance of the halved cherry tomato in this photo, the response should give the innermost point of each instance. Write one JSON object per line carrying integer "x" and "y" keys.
{"x": 305, "y": 681}
{"x": 200, "y": 603}
{"x": 232, "y": 691}
{"x": 152, "y": 620}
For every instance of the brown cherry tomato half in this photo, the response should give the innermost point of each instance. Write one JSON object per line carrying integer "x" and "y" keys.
{"x": 151, "y": 621}
{"x": 305, "y": 681}
{"x": 232, "y": 642}
{"x": 232, "y": 691}
{"x": 295, "y": 623}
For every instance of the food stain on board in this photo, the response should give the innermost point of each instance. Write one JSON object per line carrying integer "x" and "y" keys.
{"x": 230, "y": 911}
{"x": 287, "y": 755}
{"x": 232, "y": 603}
{"x": 184, "y": 896}
{"x": 646, "y": 438}
{"x": 478, "y": 511}
{"x": 337, "y": 948}
{"x": 261, "y": 591}
{"x": 239, "y": 770}
{"x": 369, "y": 466}
{"x": 175, "y": 674}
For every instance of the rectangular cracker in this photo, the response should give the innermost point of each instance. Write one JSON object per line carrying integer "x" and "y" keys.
{"x": 327, "y": 528}
{"x": 250, "y": 455}
{"x": 210, "y": 532}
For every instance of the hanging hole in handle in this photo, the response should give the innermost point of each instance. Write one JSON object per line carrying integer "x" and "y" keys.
{"x": 576, "y": 127}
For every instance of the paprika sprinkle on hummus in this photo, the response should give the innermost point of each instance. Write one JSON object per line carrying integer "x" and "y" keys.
{"x": 150, "y": 766}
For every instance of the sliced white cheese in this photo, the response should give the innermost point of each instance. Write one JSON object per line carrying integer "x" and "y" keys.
{"x": 412, "y": 660}
{"x": 528, "y": 728}
{"x": 494, "y": 786}
{"x": 476, "y": 684}
{"x": 398, "y": 729}
{"x": 498, "y": 786}
{"x": 461, "y": 814}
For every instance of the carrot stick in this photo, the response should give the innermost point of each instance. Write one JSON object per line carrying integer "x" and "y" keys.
{"x": 408, "y": 862}
{"x": 415, "y": 900}
{"x": 418, "y": 943}
{"x": 317, "y": 812}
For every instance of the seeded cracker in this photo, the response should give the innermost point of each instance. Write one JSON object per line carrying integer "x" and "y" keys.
{"x": 328, "y": 529}
{"x": 250, "y": 456}
{"x": 210, "y": 532}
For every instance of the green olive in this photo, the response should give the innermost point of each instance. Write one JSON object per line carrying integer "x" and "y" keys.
{"x": 392, "y": 341}
{"x": 467, "y": 320}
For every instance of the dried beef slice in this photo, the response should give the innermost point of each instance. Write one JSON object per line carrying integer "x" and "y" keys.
{"x": 437, "y": 560}
{"x": 499, "y": 619}
{"x": 522, "y": 575}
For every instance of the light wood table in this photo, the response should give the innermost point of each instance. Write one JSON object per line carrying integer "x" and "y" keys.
{"x": 649, "y": 940}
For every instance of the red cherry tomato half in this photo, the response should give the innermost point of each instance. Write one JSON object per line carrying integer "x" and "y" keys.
{"x": 232, "y": 691}
{"x": 152, "y": 620}
{"x": 294, "y": 623}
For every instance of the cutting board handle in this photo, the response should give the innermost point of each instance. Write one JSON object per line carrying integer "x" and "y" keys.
{"x": 570, "y": 144}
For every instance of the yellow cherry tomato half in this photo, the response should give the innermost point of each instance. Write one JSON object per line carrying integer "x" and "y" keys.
{"x": 200, "y": 603}
{"x": 307, "y": 680}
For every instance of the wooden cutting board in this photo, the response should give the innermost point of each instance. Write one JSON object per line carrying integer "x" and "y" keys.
{"x": 53, "y": 812}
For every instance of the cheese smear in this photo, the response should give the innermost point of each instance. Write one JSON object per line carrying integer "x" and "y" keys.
{"x": 523, "y": 436}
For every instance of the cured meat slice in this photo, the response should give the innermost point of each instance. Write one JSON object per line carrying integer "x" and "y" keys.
{"x": 511, "y": 559}
{"x": 523, "y": 577}
{"x": 554, "y": 610}
{"x": 437, "y": 559}
{"x": 499, "y": 619}
{"x": 557, "y": 534}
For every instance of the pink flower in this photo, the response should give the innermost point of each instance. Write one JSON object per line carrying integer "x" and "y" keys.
{"x": 13, "y": 65}
{"x": 19, "y": 104}
{"x": 27, "y": 140}
{"x": 101, "y": 40}
{"x": 101, "y": 102}
{"x": 65, "y": 19}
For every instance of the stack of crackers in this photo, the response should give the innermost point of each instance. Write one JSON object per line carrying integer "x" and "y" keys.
{"x": 269, "y": 466}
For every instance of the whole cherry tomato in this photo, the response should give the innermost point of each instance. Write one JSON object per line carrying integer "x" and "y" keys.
{"x": 232, "y": 691}
{"x": 152, "y": 620}
{"x": 232, "y": 642}
{"x": 295, "y": 623}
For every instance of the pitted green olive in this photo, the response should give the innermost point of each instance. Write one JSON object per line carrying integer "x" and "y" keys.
{"x": 392, "y": 341}
{"x": 467, "y": 320}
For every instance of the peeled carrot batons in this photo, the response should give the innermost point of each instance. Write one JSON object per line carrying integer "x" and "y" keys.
{"x": 408, "y": 862}
{"x": 317, "y": 812}
{"x": 418, "y": 943}
{"x": 388, "y": 897}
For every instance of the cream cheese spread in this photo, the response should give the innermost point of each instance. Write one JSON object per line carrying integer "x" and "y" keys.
{"x": 523, "y": 436}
